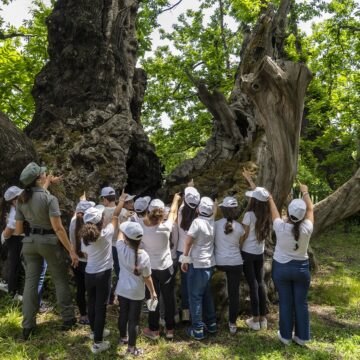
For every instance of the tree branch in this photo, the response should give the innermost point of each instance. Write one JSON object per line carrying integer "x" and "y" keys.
{"x": 169, "y": 8}
{"x": 13, "y": 35}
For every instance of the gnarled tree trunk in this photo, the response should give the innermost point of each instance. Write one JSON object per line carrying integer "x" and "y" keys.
{"x": 88, "y": 100}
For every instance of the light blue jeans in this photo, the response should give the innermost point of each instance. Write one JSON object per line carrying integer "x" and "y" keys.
{"x": 201, "y": 302}
{"x": 292, "y": 281}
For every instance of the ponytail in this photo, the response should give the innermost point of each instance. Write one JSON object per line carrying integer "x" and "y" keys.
{"x": 26, "y": 195}
{"x": 230, "y": 213}
{"x": 78, "y": 226}
{"x": 90, "y": 232}
{"x": 296, "y": 233}
{"x": 134, "y": 244}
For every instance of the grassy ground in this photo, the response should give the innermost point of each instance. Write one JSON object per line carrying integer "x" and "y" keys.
{"x": 335, "y": 322}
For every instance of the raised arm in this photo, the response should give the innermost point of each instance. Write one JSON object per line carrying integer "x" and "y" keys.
{"x": 247, "y": 176}
{"x": 273, "y": 209}
{"x": 174, "y": 208}
{"x": 120, "y": 205}
{"x": 309, "y": 205}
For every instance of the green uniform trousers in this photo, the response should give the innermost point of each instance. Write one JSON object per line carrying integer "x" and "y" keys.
{"x": 35, "y": 248}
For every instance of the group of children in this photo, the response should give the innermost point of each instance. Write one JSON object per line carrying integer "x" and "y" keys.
{"x": 146, "y": 242}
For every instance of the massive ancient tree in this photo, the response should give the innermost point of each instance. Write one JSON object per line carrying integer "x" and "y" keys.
{"x": 87, "y": 123}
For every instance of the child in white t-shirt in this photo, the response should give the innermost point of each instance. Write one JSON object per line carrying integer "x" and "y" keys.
{"x": 198, "y": 261}
{"x": 135, "y": 273}
{"x": 227, "y": 254}
{"x": 97, "y": 245}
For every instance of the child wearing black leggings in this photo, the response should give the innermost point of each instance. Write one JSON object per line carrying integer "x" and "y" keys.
{"x": 135, "y": 273}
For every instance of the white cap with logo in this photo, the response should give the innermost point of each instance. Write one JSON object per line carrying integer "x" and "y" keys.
{"x": 156, "y": 203}
{"x": 129, "y": 197}
{"x": 141, "y": 203}
{"x": 107, "y": 191}
{"x": 229, "y": 201}
{"x": 191, "y": 197}
{"x": 94, "y": 214}
{"x": 83, "y": 205}
{"x": 206, "y": 206}
{"x": 259, "y": 193}
{"x": 12, "y": 192}
{"x": 132, "y": 230}
{"x": 297, "y": 210}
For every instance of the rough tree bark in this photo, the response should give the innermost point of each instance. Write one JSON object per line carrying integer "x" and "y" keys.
{"x": 16, "y": 150}
{"x": 88, "y": 100}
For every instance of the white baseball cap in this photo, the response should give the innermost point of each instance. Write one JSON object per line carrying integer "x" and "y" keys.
{"x": 141, "y": 204}
{"x": 156, "y": 203}
{"x": 297, "y": 210}
{"x": 129, "y": 197}
{"x": 133, "y": 230}
{"x": 229, "y": 201}
{"x": 206, "y": 206}
{"x": 12, "y": 192}
{"x": 191, "y": 197}
{"x": 83, "y": 205}
{"x": 94, "y": 214}
{"x": 107, "y": 191}
{"x": 259, "y": 193}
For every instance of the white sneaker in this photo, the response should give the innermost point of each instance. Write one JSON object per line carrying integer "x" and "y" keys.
{"x": 106, "y": 333}
{"x": 162, "y": 322}
{"x": 99, "y": 347}
{"x": 263, "y": 324}
{"x": 232, "y": 328}
{"x": 299, "y": 341}
{"x": 284, "y": 341}
{"x": 252, "y": 324}
{"x": 17, "y": 297}
{"x": 3, "y": 286}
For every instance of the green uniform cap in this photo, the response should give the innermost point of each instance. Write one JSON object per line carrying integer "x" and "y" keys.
{"x": 31, "y": 172}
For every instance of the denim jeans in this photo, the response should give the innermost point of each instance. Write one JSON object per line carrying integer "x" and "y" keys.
{"x": 183, "y": 286}
{"x": 292, "y": 281}
{"x": 201, "y": 302}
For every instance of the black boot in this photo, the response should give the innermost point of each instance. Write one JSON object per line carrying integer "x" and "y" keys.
{"x": 68, "y": 324}
{"x": 27, "y": 332}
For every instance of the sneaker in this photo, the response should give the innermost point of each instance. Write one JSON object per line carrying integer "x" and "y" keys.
{"x": 177, "y": 319}
{"x": 134, "y": 351}
{"x": 212, "y": 328}
{"x": 162, "y": 322}
{"x": 263, "y": 324}
{"x": 299, "y": 341}
{"x": 123, "y": 341}
{"x": 3, "y": 286}
{"x": 185, "y": 315}
{"x": 17, "y": 297}
{"x": 27, "y": 332}
{"x": 150, "y": 334}
{"x": 106, "y": 333}
{"x": 44, "y": 307}
{"x": 284, "y": 341}
{"x": 99, "y": 347}
{"x": 196, "y": 334}
{"x": 252, "y": 325}
{"x": 232, "y": 328}
{"x": 169, "y": 334}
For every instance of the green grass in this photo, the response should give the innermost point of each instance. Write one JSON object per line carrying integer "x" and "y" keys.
{"x": 335, "y": 322}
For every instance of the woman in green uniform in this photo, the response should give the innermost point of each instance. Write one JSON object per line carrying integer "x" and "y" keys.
{"x": 47, "y": 239}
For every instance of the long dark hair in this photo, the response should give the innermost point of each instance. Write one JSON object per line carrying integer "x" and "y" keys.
{"x": 230, "y": 213}
{"x": 188, "y": 214}
{"x": 90, "y": 232}
{"x": 296, "y": 229}
{"x": 134, "y": 244}
{"x": 5, "y": 208}
{"x": 262, "y": 212}
{"x": 26, "y": 195}
{"x": 79, "y": 223}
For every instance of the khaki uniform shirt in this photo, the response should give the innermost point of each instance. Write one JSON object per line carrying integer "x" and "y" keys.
{"x": 38, "y": 210}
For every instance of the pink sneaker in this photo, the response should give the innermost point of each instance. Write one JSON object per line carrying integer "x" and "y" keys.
{"x": 153, "y": 335}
